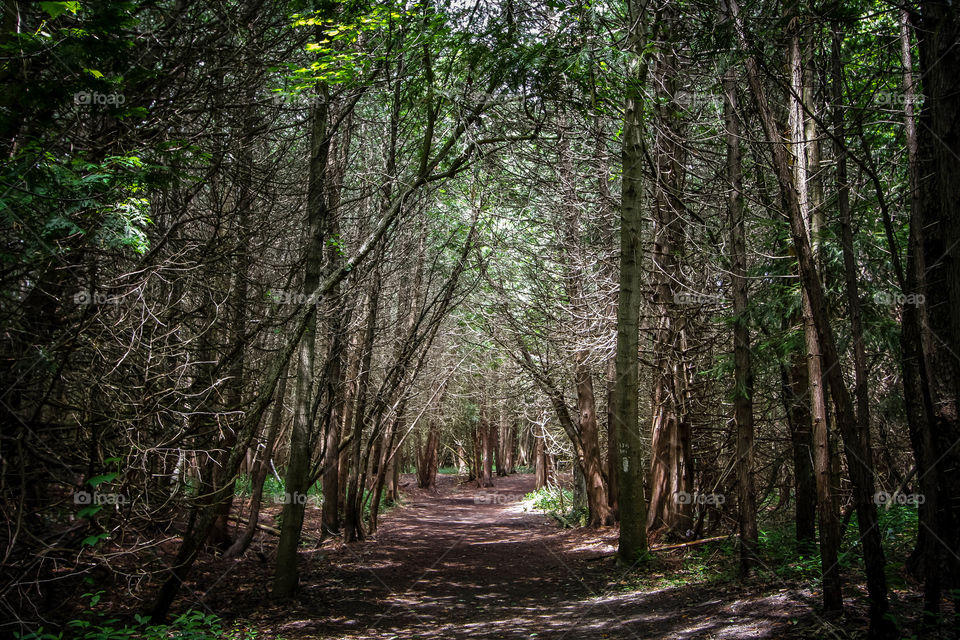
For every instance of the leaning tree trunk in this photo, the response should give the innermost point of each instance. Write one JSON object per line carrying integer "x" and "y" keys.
{"x": 859, "y": 458}
{"x": 807, "y": 150}
{"x": 259, "y": 475}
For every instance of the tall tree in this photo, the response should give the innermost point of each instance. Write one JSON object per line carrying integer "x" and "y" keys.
{"x": 632, "y": 546}
{"x": 743, "y": 376}
{"x": 859, "y": 458}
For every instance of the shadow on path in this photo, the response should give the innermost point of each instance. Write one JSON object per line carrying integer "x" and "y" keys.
{"x": 471, "y": 563}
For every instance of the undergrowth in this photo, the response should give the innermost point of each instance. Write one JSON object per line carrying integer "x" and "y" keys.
{"x": 95, "y": 625}
{"x": 780, "y": 561}
{"x": 558, "y": 504}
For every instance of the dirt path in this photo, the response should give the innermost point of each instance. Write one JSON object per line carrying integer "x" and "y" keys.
{"x": 470, "y": 563}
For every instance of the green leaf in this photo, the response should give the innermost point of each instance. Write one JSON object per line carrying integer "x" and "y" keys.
{"x": 56, "y": 9}
{"x": 96, "y": 481}
{"x": 89, "y": 510}
{"x": 89, "y": 541}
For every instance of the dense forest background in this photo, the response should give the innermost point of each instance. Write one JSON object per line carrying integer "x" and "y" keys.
{"x": 699, "y": 259}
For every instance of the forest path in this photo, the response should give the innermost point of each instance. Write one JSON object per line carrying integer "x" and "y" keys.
{"x": 471, "y": 563}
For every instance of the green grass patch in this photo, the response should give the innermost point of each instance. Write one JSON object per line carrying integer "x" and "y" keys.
{"x": 448, "y": 471}
{"x": 273, "y": 489}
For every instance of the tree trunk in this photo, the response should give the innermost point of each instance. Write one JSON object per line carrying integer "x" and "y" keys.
{"x": 485, "y": 440}
{"x": 427, "y": 460}
{"x": 259, "y": 475}
{"x": 806, "y": 151}
{"x": 743, "y": 374}
{"x": 352, "y": 517}
{"x": 935, "y": 238}
{"x": 671, "y": 465}
{"x": 541, "y": 456}
{"x": 510, "y": 449}
{"x": 794, "y": 385}
{"x": 632, "y": 546}
{"x": 613, "y": 487}
{"x": 859, "y": 459}
{"x": 286, "y": 577}
{"x": 592, "y": 463}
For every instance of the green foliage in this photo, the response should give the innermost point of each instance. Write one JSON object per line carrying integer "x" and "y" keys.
{"x": 336, "y": 58}
{"x": 95, "y": 625}
{"x": 550, "y": 498}
{"x": 778, "y": 546}
{"x": 62, "y": 203}
{"x": 385, "y": 504}
{"x": 448, "y": 471}
{"x": 272, "y": 488}
{"x": 714, "y": 563}
{"x": 558, "y": 504}
{"x": 898, "y": 526}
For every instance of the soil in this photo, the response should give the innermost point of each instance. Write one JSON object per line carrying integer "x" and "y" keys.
{"x": 464, "y": 562}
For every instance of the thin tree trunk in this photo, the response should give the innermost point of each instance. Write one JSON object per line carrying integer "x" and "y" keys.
{"x": 859, "y": 460}
{"x": 743, "y": 376}
{"x": 427, "y": 460}
{"x": 259, "y": 475}
{"x": 794, "y": 386}
{"x": 353, "y": 525}
{"x": 613, "y": 487}
{"x": 805, "y": 147}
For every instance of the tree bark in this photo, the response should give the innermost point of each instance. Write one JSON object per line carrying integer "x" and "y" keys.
{"x": 743, "y": 371}
{"x": 932, "y": 323}
{"x": 859, "y": 460}
{"x": 794, "y": 387}
{"x": 806, "y": 151}
{"x": 259, "y": 475}
{"x": 286, "y": 576}
{"x": 632, "y": 544}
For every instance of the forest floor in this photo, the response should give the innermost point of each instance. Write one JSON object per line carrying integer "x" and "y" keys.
{"x": 464, "y": 562}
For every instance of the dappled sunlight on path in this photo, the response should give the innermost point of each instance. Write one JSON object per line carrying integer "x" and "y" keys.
{"x": 472, "y": 563}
